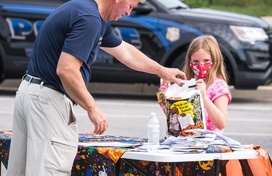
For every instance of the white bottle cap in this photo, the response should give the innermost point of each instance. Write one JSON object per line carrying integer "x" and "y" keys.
{"x": 153, "y": 113}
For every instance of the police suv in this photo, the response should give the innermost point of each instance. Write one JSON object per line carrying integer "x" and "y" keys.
{"x": 162, "y": 29}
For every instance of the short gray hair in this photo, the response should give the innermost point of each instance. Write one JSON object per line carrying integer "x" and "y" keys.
{"x": 142, "y": 1}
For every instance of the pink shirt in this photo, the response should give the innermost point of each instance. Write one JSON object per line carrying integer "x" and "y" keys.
{"x": 216, "y": 89}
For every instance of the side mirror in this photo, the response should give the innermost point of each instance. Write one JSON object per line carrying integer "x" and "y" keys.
{"x": 142, "y": 9}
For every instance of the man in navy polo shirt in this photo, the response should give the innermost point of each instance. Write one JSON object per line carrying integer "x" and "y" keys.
{"x": 44, "y": 139}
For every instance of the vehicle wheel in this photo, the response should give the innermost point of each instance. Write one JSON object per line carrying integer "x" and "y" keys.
{"x": 179, "y": 61}
{"x": 2, "y": 77}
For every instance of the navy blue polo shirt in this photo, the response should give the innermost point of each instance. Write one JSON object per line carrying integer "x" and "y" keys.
{"x": 75, "y": 28}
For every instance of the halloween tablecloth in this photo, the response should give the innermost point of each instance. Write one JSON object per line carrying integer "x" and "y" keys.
{"x": 92, "y": 160}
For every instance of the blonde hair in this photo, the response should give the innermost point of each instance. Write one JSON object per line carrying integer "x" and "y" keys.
{"x": 210, "y": 45}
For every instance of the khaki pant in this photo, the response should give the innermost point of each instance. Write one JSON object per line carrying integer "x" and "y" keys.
{"x": 44, "y": 135}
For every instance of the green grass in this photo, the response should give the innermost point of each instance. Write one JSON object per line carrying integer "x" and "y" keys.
{"x": 257, "y": 11}
{"x": 256, "y": 8}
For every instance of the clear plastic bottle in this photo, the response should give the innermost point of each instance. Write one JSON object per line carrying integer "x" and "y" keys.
{"x": 153, "y": 133}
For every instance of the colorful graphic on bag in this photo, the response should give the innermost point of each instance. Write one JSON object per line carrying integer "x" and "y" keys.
{"x": 184, "y": 114}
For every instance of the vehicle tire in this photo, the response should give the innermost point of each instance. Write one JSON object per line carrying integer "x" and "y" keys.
{"x": 179, "y": 61}
{"x": 2, "y": 76}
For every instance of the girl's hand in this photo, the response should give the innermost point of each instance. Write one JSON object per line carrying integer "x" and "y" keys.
{"x": 201, "y": 85}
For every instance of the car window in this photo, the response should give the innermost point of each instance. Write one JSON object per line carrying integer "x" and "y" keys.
{"x": 173, "y": 4}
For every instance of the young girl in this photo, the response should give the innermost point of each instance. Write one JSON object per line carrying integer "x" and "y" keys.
{"x": 204, "y": 61}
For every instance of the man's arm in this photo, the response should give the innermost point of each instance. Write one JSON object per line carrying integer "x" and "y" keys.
{"x": 135, "y": 59}
{"x": 68, "y": 70}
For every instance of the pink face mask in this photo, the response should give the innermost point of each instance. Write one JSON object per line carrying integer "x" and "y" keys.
{"x": 200, "y": 70}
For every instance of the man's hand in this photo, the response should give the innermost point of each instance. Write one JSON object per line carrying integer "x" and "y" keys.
{"x": 100, "y": 121}
{"x": 172, "y": 75}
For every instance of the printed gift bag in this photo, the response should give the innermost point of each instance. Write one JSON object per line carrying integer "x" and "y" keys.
{"x": 183, "y": 107}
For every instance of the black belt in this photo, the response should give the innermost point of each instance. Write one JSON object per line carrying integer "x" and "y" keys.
{"x": 39, "y": 81}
